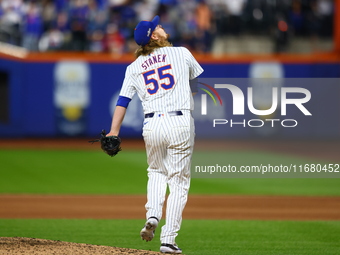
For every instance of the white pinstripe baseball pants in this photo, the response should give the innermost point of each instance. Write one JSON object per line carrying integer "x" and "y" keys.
{"x": 169, "y": 142}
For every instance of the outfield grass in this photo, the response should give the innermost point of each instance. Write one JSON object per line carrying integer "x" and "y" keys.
{"x": 72, "y": 172}
{"x": 93, "y": 172}
{"x": 197, "y": 237}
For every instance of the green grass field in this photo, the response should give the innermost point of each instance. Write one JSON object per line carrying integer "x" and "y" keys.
{"x": 197, "y": 237}
{"x": 92, "y": 172}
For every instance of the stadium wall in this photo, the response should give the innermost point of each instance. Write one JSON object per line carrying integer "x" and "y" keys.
{"x": 74, "y": 95}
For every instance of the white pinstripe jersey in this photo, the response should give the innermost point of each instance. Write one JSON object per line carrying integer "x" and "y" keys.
{"x": 161, "y": 79}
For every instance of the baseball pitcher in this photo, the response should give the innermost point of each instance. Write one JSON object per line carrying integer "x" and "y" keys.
{"x": 161, "y": 77}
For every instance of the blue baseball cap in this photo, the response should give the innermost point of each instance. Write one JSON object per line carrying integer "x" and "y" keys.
{"x": 144, "y": 29}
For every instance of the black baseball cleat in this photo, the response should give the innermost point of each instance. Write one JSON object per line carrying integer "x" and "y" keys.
{"x": 170, "y": 248}
{"x": 148, "y": 231}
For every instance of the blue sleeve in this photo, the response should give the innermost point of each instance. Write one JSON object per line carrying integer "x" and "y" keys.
{"x": 123, "y": 101}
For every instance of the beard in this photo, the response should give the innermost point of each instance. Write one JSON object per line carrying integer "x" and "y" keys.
{"x": 163, "y": 41}
{"x": 164, "y": 38}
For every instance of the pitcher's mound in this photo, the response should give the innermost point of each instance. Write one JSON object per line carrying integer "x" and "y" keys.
{"x": 23, "y": 245}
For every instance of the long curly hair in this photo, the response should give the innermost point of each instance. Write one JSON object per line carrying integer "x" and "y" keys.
{"x": 151, "y": 46}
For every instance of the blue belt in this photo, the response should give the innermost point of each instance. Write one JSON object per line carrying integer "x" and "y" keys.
{"x": 173, "y": 113}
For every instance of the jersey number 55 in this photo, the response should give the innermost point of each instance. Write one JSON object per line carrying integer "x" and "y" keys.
{"x": 161, "y": 76}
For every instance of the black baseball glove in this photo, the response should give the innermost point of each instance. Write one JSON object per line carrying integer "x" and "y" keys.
{"x": 109, "y": 144}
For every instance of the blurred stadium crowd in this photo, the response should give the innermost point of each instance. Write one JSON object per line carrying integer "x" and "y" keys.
{"x": 201, "y": 25}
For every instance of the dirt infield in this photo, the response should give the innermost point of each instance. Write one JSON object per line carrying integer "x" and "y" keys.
{"x": 19, "y": 246}
{"x": 198, "y": 207}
